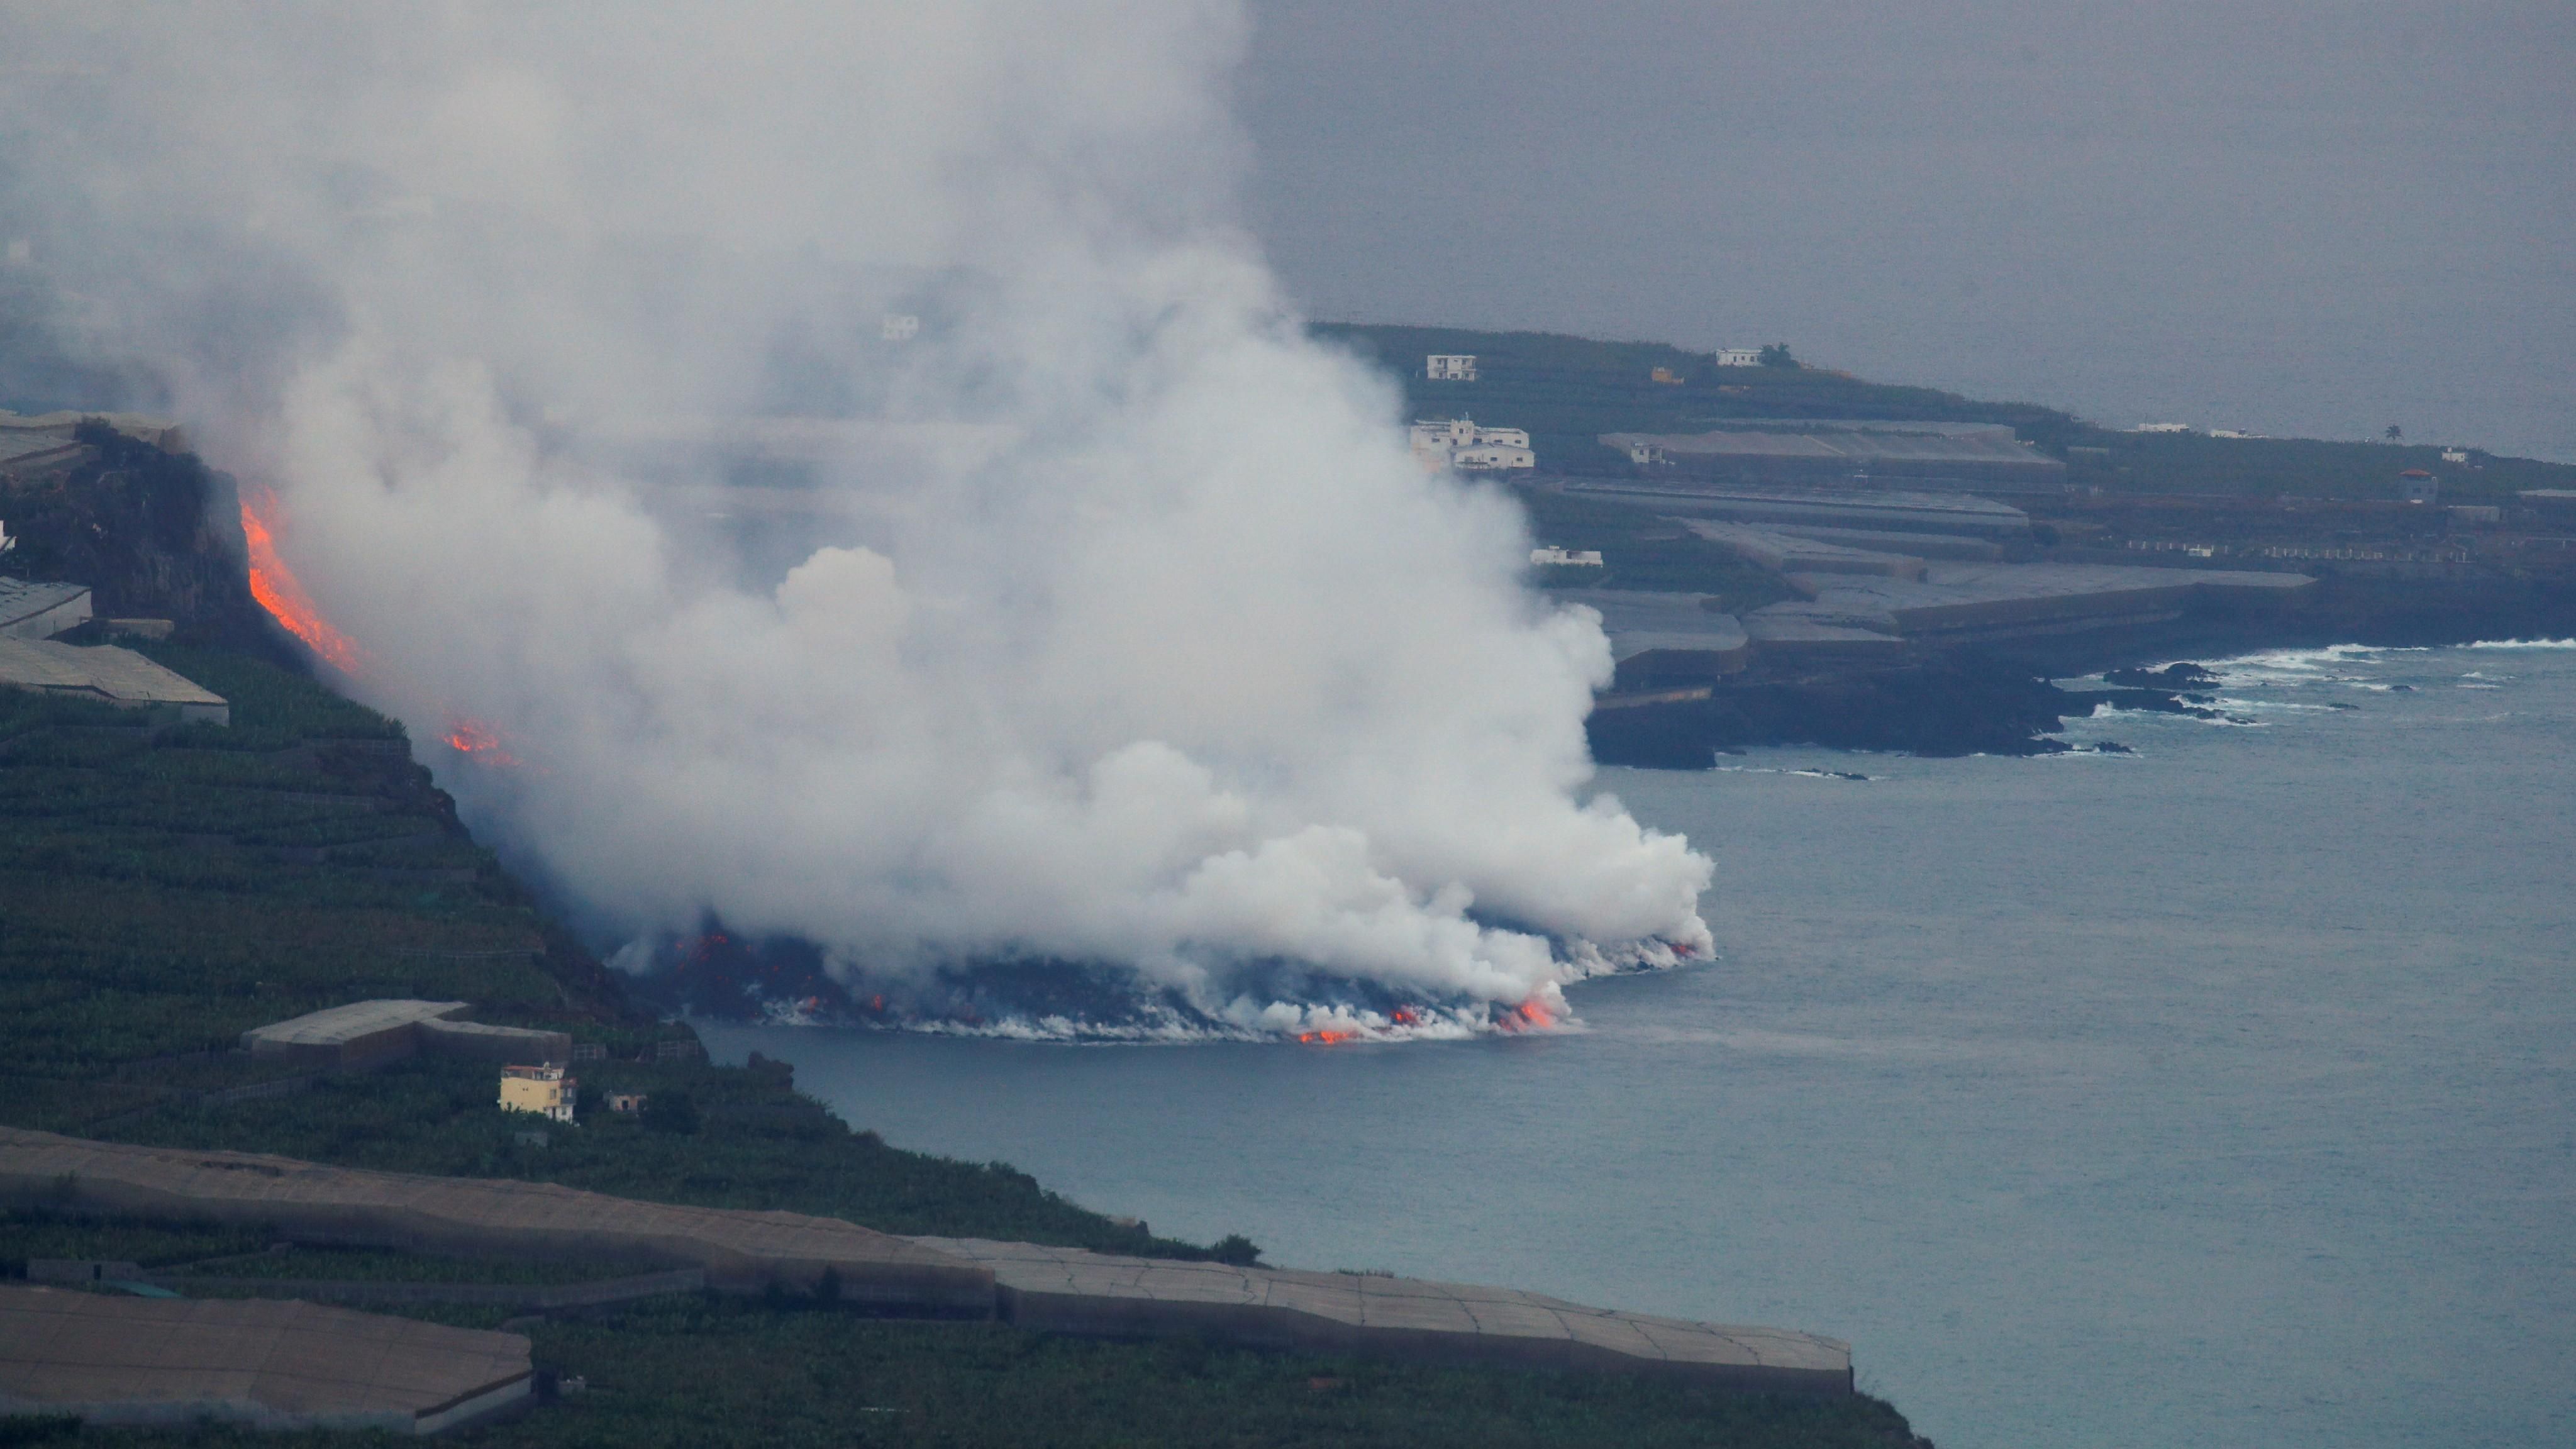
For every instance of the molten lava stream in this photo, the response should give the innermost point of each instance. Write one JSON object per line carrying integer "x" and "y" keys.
{"x": 477, "y": 739}
{"x": 276, "y": 588}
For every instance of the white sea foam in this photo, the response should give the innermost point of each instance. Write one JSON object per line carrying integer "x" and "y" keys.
{"x": 2225, "y": 702}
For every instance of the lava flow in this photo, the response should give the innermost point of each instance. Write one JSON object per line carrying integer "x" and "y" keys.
{"x": 481, "y": 741}
{"x": 276, "y": 588}
{"x": 1327, "y": 1038}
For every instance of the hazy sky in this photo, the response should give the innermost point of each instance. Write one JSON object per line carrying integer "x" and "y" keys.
{"x": 2293, "y": 216}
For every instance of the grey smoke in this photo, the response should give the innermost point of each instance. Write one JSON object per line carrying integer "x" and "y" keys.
{"x": 1122, "y": 629}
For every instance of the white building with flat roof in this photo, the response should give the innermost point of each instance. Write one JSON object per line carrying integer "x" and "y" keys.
{"x": 1492, "y": 458}
{"x": 1459, "y": 443}
{"x": 1739, "y": 357}
{"x": 1450, "y": 367}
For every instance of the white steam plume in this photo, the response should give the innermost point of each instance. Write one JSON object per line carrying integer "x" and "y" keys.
{"x": 1173, "y": 662}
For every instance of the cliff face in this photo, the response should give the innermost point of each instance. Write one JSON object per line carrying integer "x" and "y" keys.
{"x": 154, "y": 534}
{"x": 1939, "y": 704}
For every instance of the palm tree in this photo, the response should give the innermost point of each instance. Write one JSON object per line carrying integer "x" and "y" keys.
{"x": 2395, "y": 434}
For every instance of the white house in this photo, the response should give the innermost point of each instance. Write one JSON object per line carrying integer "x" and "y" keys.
{"x": 2161, "y": 428}
{"x": 1463, "y": 433}
{"x": 1441, "y": 434}
{"x": 1739, "y": 357}
{"x": 1459, "y": 443}
{"x": 2449, "y": 455}
{"x": 1450, "y": 367}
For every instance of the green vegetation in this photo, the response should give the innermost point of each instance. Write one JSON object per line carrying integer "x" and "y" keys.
{"x": 224, "y": 1251}
{"x": 696, "y": 1369}
{"x": 756, "y": 1143}
{"x": 161, "y": 891}
{"x": 2295, "y": 468}
{"x": 698, "y": 1372}
{"x": 273, "y": 709}
{"x": 25, "y": 1235}
{"x": 1567, "y": 391}
{"x": 1642, "y": 551}
{"x": 692, "y": 1371}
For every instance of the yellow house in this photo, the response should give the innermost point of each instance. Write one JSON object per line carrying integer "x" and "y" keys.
{"x": 545, "y": 1091}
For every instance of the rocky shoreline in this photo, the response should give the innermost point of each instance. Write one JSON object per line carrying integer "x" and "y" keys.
{"x": 1999, "y": 700}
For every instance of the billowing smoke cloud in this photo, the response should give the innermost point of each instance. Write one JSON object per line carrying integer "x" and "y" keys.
{"x": 1109, "y": 623}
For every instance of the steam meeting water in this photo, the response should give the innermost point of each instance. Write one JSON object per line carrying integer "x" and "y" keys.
{"x": 2216, "y": 1094}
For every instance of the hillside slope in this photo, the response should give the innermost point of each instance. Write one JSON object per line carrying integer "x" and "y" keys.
{"x": 1567, "y": 391}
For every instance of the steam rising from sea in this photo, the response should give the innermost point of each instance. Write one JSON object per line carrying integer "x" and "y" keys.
{"x": 1115, "y": 637}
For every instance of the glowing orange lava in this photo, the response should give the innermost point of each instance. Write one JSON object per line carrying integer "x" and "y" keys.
{"x": 1529, "y": 1015}
{"x": 1404, "y": 1016}
{"x": 275, "y": 586}
{"x": 1327, "y": 1038}
{"x": 473, "y": 737}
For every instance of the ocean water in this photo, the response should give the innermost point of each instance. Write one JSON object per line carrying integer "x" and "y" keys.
{"x": 2223, "y": 1093}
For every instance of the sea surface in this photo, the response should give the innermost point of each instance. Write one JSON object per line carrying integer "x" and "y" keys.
{"x": 2223, "y": 1093}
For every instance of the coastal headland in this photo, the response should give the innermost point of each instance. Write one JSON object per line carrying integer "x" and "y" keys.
{"x": 1787, "y": 554}
{"x": 169, "y": 887}
{"x": 1781, "y": 554}
{"x": 1033, "y": 1286}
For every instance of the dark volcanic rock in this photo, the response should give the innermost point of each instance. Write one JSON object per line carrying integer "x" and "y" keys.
{"x": 2172, "y": 676}
{"x": 155, "y": 535}
{"x": 2154, "y": 701}
{"x": 1954, "y": 704}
